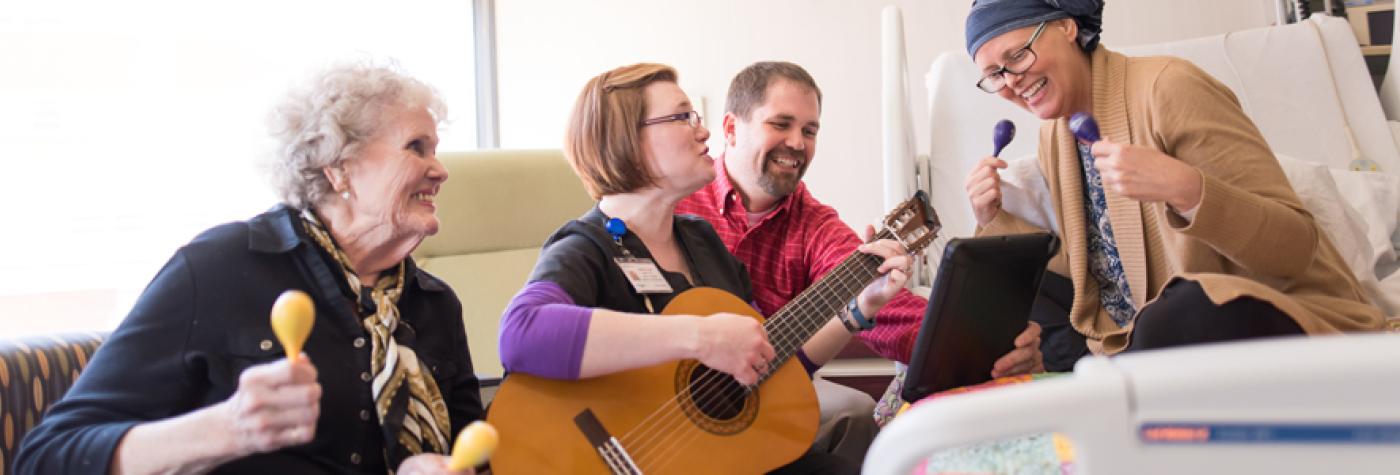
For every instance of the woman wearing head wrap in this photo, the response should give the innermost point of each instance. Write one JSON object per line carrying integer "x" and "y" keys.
{"x": 1179, "y": 226}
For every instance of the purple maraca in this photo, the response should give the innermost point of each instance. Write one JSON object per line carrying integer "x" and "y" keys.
{"x": 1003, "y": 134}
{"x": 1084, "y": 127}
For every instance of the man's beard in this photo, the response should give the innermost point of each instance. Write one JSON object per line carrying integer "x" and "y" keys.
{"x": 781, "y": 185}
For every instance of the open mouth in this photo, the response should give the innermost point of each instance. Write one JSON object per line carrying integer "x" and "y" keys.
{"x": 425, "y": 197}
{"x": 1034, "y": 89}
{"x": 787, "y": 161}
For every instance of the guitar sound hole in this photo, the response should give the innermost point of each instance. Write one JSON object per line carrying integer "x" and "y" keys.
{"x": 716, "y": 394}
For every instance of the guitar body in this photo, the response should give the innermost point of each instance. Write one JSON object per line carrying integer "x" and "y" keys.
{"x": 670, "y": 418}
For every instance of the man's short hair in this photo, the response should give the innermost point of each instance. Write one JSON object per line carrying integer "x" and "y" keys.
{"x": 749, "y": 88}
{"x": 602, "y": 141}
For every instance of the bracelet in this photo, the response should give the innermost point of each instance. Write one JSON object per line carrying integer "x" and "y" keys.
{"x": 863, "y": 323}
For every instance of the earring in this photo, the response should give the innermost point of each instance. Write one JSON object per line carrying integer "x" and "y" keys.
{"x": 345, "y": 195}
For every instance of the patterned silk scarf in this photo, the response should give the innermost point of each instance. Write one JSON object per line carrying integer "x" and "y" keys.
{"x": 410, "y": 406}
{"x": 1104, "y": 262}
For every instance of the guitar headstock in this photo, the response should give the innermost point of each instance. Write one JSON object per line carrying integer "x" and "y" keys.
{"x": 913, "y": 223}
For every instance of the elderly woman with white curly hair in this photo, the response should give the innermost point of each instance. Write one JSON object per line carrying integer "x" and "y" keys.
{"x": 192, "y": 380}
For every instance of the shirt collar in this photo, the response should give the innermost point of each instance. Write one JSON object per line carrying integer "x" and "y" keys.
{"x": 724, "y": 189}
{"x": 277, "y": 231}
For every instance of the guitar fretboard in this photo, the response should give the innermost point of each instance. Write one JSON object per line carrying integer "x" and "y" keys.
{"x": 797, "y": 321}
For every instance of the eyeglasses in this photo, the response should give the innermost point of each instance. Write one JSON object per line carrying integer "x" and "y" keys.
{"x": 690, "y": 117}
{"x": 1019, "y": 63}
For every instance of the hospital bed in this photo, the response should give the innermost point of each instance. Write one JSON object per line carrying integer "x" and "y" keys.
{"x": 1306, "y": 87}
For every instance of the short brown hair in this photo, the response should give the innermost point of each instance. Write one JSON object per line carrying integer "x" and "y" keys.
{"x": 750, "y": 87}
{"x": 602, "y": 141}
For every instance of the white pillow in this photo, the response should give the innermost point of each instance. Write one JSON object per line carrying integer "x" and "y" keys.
{"x": 1376, "y": 198}
{"x": 1343, "y": 224}
{"x": 1025, "y": 194}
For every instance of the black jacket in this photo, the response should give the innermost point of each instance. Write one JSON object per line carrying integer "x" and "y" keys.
{"x": 204, "y": 319}
{"x": 579, "y": 258}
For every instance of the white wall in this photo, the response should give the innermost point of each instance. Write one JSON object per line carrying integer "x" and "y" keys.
{"x": 549, "y": 48}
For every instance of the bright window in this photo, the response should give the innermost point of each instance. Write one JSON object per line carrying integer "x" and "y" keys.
{"x": 126, "y": 128}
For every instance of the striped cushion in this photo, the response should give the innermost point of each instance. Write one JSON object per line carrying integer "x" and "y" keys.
{"x": 34, "y": 373}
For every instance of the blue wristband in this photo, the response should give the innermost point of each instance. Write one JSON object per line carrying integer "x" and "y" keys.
{"x": 861, "y": 321}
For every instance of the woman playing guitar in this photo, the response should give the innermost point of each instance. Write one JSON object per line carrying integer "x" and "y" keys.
{"x": 589, "y": 307}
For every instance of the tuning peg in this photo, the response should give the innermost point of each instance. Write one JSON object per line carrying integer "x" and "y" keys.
{"x": 1002, "y": 135}
{"x": 292, "y": 316}
{"x": 1084, "y": 127}
{"x": 474, "y": 446}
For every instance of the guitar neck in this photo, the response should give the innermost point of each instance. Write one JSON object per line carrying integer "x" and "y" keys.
{"x": 791, "y": 326}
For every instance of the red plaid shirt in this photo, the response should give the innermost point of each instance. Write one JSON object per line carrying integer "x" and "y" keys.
{"x": 794, "y": 246}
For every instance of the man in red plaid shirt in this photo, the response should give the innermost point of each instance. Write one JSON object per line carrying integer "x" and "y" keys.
{"x": 788, "y": 240}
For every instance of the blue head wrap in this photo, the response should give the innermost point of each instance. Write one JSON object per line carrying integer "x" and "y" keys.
{"x": 990, "y": 18}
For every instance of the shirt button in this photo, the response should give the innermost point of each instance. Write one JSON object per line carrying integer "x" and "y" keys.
{"x": 364, "y": 414}
{"x": 365, "y": 376}
{"x": 355, "y": 458}
{"x": 265, "y": 345}
{"x": 360, "y": 342}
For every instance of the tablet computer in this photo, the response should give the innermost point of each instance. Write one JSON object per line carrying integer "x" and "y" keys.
{"x": 981, "y": 300}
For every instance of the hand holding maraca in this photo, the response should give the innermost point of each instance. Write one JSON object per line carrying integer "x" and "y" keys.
{"x": 473, "y": 447}
{"x": 277, "y": 404}
{"x": 984, "y": 183}
{"x": 1139, "y": 173}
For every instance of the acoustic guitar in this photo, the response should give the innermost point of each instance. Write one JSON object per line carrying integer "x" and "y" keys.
{"x": 681, "y": 416}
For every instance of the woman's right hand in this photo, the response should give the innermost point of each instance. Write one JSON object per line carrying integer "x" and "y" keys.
{"x": 734, "y": 344}
{"x": 276, "y": 405}
{"x": 984, "y": 189}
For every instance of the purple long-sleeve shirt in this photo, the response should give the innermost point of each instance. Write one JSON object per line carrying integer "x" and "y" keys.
{"x": 543, "y": 333}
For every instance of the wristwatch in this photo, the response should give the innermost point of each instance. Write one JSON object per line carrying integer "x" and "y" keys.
{"x": 861, "y": 322}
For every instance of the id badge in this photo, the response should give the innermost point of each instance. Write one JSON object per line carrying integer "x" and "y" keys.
{"x": 644, "y": 275}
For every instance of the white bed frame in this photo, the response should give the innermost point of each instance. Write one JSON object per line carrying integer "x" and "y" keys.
{"x": 1343, "y": 390}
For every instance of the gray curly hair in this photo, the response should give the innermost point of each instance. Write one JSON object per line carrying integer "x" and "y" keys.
{"x": 326, "y": 122}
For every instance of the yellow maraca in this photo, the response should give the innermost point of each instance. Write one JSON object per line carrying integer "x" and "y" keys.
{"x": 292, "y": 316}
{"x": 474, "y": 445}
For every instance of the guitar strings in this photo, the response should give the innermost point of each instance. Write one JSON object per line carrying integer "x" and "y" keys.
{"x": 706, "y": 390}
{"x": 843, "y": 276}
{"x": 860, "y": 281}
{"x": 710, "y": 378}
{"x": 667, "y": 453}
{"x": 705, "y": 386}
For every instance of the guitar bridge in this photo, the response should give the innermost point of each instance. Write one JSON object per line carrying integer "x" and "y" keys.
{"x": 617, "y": 459}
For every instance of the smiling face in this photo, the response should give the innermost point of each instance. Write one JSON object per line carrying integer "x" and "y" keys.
{"x": 1057, "y": 84}
{"x": 395, "y": 175}
{"x": 770, "y": 150}
{"x": 674, "y": 151}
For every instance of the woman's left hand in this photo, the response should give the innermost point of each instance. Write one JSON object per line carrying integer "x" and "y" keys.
{"x": 1144, "y": 174}
{"x": 1026, "y": 358}
{"x": 429, "y": 464}
{"x": 894, "y": 272}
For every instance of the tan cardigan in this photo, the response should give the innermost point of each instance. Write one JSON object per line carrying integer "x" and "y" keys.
{"x": 1251, "y": 235}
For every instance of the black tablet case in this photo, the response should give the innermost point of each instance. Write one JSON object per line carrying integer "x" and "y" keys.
{"x": 981, "y": 300}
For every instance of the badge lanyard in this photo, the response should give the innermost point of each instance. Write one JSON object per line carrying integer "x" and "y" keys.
{"x": 641, "y": 272}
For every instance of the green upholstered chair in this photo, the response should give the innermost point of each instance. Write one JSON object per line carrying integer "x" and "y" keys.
{"x": 496, "y": 208}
